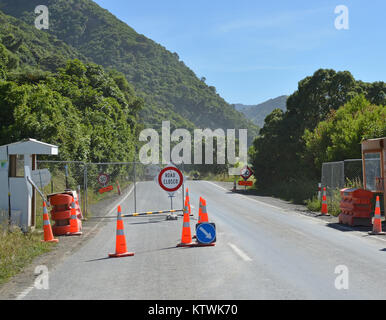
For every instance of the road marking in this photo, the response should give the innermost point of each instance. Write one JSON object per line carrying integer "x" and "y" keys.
{"x": 241, "y": 253}
{"x": 22, "y": 295}
{"x": 243, "y": 196}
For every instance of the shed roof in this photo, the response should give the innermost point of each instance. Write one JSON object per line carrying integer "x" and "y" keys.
{"x": 30, "y": 146}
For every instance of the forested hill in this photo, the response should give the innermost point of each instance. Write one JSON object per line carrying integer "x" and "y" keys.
{"x": 258, "y": 113}
{"x": 170, "y": 89}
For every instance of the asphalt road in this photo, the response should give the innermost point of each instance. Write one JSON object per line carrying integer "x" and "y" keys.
{"x": 262, "y": 252}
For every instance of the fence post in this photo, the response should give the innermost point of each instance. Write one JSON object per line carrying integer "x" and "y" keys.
{"x": 319, "y": 190}
{"x": 85, "y": 193}
{"x": 135, "y": 189}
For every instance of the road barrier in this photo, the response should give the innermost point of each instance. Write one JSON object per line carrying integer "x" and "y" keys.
{"x": 355, "y": 206}
{"x": 66, "y": 213}
{"x": 120, "y": 243}
{"x": 377, "y": 224}
{"x": 111, "y": 178}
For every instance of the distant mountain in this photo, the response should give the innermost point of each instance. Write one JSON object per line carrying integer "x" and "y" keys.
{"x": 257, "y": 113}
{"x": 170, "y": 89}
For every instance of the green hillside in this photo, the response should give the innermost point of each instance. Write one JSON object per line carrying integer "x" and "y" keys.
{"x": 258, "y": 113}
{"x": 170, "y": 89}
{"x": 91, "y": 113}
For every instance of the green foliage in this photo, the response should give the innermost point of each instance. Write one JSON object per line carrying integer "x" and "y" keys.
{"x": 340, "y": 135}
{"x": 80, "y": 108}
{"x": 293, "y": 144}
{"x": 170, "y": 89}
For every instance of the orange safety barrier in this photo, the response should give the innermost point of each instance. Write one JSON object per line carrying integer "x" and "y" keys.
{"x": 355, "y": 206}
{"x": 120, "y": 244}
{"x": 377, "y": 224}
{"x": 67, "y": 220}
{"x": 48, "y": 236}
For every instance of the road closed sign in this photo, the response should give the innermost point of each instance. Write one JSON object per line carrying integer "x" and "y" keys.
{"x": 170, "y": 179}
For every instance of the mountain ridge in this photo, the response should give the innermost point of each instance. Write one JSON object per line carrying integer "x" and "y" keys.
{"x": 257, "y": 113}
{"x": 171, "y": 90}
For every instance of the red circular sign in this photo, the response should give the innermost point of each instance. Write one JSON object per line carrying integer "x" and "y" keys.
{"x": 103, "y": 178}
{"x": 170, "y": 179}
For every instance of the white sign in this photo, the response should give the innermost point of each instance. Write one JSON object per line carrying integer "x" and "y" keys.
{"x": 41, "y": 177}
{"x": 170, "y": 179}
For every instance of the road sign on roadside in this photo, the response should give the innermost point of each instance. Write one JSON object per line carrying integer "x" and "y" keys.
{"x": 103, "y": 179}
{"x": 170, "y": 179}
{"x": 206, "y": 232}
{"x": 41, "y": 177}
{"x": 246, "y": 172}
{"x": 106, "y": 189}
{"x": 246, "y": 183}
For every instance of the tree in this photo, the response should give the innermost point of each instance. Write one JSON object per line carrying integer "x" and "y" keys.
{"x": 339, "y": 136}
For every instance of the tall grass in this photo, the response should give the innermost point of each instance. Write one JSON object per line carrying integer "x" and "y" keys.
{"x": 333, "y": 201}
{"x": 18, "y": 249}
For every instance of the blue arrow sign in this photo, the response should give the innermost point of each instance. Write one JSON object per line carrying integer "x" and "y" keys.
{"x": 206, "y": 233}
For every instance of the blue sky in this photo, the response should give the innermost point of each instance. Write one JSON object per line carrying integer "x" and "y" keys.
{"x": 252, "y": 51}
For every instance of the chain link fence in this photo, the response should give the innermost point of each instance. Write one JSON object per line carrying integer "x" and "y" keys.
{"x": 336, "y": 175}
{"x": 92, "y": 179}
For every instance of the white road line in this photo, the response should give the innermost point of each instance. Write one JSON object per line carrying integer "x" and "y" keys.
{"x": 243, "y": 196}
{"x": 241, "y": 253}
{"x": 24, "y": 293}
{"x": 123, "y": 199}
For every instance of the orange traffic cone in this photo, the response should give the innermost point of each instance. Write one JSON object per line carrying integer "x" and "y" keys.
{"x": 200, "y": 210}
{"x": 377, "y": 224}
{"x": 204, "y": 214}
{"x": 324, "y": 203}
{"x": 75, "y": 224}
{"x": 120, "y": 247}
{"x": 48, "y": 236}
{"x": 186, "y": 238}
{"x": 187, "y": 200}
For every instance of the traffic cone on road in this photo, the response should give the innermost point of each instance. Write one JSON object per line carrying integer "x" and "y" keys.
{"x": 204, "y": 214}
{"x": 200, "y": 210}
{"x": 186, "y": 238}
{"x": 377, "y": 224}
{"x": 187, "y": 202}
{"x": 48, "y": 236}
{"x": 75, "y": 223}
{"x": 120, "y": 246}
{"x": 324, "y": 203}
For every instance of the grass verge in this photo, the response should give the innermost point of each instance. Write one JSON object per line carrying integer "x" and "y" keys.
{"x": 17, "y": 249}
